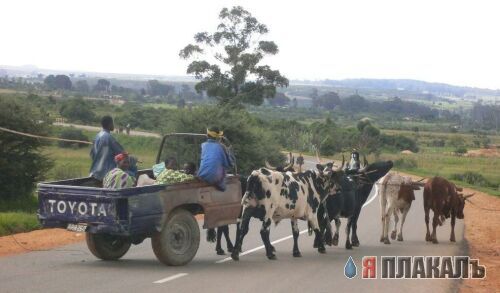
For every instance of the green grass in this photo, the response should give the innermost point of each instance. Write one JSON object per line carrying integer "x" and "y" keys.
{"x": 17, "y": 222}
{"x": 75, "y": 162}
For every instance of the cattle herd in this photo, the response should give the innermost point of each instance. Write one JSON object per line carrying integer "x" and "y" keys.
{"x": 329, "y": 193}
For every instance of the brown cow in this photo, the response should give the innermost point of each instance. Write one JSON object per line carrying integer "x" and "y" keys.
{"x": 444, "y": 199}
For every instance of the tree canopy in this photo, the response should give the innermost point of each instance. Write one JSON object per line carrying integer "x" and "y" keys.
{"x": 234, "y": 75}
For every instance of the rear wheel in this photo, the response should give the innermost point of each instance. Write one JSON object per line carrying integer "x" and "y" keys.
{"x": 107, "y": 247}
{"x": 177, "y": 243}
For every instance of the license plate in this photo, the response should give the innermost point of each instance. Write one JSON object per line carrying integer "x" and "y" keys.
{"x": 77, "y": 227}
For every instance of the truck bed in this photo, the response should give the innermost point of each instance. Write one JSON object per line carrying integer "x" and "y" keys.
{"x": 135, "y": 210}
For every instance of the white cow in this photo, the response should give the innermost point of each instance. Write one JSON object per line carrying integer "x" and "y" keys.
{"x": 396, "y": 194}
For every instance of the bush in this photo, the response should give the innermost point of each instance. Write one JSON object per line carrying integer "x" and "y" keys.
{"x": 461, "y": 150}
{"x": 399, "y": 142}
{"x": 73, "y": 134}
{"x": 21, "y": 163}
{"x": 473, "y": 178}
{"x": 437, "y": 143}
{"x": 251, "y": 143}
{"x": 405, "y": 163}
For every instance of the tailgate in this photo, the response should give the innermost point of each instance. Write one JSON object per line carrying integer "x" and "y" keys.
{"x": 61, "y": 205}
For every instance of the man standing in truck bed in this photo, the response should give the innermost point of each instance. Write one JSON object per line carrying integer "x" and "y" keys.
{"x": 104, "y": 150}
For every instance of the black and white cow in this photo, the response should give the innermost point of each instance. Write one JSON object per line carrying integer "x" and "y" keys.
{"x": 273, "y": 196}
{"x": 348, "y": 202}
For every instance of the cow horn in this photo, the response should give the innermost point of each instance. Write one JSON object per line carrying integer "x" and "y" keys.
{"x": 468, "y": 195}
{"x": 268, "y": 166}
{"x": 317, "y": 155}
{"x": 418, "y": 183}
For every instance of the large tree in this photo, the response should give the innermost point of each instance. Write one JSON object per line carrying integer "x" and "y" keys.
{"x": 234, "y": 75}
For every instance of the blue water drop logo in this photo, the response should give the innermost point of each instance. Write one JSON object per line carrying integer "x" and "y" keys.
{"x": 350, "y": 269}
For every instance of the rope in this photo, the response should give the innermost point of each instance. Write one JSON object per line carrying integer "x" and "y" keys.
{"x": 481, "y": 208}
{"x": 44, "y": 137}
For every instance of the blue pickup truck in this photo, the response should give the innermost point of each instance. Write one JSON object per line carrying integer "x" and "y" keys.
{"x": 113, "y": 220}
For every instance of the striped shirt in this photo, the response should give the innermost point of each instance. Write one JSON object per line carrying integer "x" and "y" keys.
{"x": 118, "y": 179}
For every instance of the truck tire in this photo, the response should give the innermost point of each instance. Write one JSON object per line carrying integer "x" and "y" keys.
{"x": 177, "y": 243}
{"x": 107, "y": 247}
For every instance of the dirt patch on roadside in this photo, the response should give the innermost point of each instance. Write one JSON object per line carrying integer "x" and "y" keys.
{"x": 482, "y": 231}
{"x": 37, "y": 240}
{"x": 491, "y": 152}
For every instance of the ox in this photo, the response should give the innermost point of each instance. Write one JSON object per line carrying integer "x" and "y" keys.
{"x": 348, "y": 202}
{"x": 396, "y": 194}
{"x": 444, "y": 199}
{"x": 273, "y": 196}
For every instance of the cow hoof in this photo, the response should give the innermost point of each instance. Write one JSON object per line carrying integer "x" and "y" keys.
{"x": 435, "y": 241}
{"x": 329, "y": 241}
{"x": 315, "y": 244}
{"x": 428, "y": 237}
{"x": 235, "y": 256}
{"x": 271, "y": 257}
{"x": 297, "y": 254}
{"x": 393, "y": 235}
{"x": 335, "y": 241}
{"x": 386, "y": 241}
{"x": 274, "y": 249}
{"x": 452, "y": 239}
{"x": 220, "y": 251}
{"x": 355, "y": 242}
{"x": 381, "y": 238}
{"x": 348, "y": 246}
{"x": 322, "y": 250}
{"x": 400, "y": 237}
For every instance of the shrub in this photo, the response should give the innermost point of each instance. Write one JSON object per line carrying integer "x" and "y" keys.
{"x": 473, "y": 178}
{"x": 460, "y": 150}
{"x": 21, "y": 162}
{"x": 73, "y": 134}
{"x": 405, "y": 163}
{"x": 437, "y": 143}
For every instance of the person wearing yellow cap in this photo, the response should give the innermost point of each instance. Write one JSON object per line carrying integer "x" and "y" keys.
{"x": 215, "y": 159}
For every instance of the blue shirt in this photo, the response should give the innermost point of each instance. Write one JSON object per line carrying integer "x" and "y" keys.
{"x": 214, "y": 161}
{"x": 103, "y": 153}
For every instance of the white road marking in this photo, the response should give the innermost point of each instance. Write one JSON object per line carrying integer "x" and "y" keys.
{"x": 171, "y": 278}
{"x": 260, "y": 247}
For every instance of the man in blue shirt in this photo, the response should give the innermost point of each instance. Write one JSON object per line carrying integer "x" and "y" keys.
{"x": 215, "y": 159}
{"x": 104, "y": 150}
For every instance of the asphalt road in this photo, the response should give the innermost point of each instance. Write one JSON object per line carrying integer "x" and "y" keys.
{"x": 73, "y": 269}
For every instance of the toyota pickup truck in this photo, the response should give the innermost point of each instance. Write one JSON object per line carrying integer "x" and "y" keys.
{"x": 113, "y": 220}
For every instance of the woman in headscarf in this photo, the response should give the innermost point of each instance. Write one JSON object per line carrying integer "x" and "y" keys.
{"x": 119, "y": 177}
{"x": 215, "y": 159}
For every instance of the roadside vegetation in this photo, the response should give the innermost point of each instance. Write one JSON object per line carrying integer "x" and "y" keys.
{"x": 423, "y": 134}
